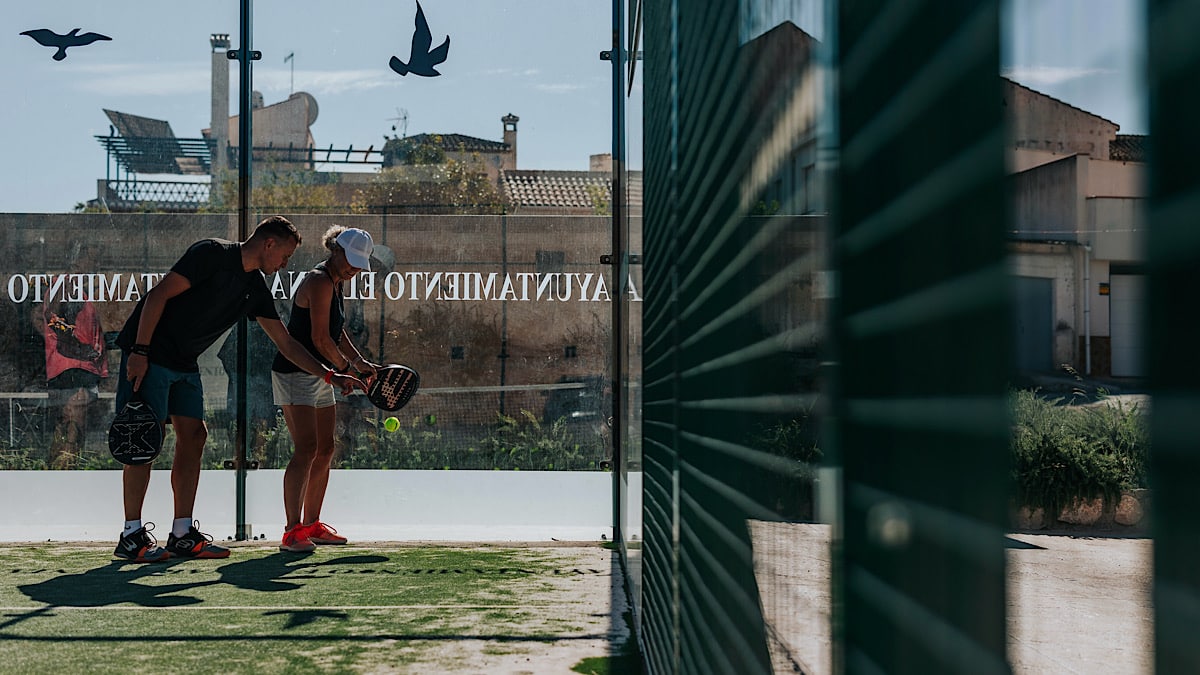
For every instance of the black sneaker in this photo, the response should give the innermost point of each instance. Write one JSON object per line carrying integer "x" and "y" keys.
{"x": 195, "y": 544}
{"x": 140, "y": 546}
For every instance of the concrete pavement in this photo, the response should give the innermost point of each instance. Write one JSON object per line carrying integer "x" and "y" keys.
{"x": 1076, "y": 603}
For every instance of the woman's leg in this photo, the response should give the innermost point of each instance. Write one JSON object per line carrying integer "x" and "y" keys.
{"x": 318, "y": 472}
{"x": 302, "y": 425}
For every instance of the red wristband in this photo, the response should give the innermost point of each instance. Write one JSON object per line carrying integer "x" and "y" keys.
{"x": 328, "y": 376}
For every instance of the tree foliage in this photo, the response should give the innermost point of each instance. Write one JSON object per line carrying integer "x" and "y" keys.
{"x": 276, "y": 189}
{"x": 458, "y": 186}
{"x": 413, "y": 151}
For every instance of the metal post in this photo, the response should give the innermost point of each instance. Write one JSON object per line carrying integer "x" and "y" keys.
{"x": 245, "y": 55}
{"x": 503, "y": 305}
{"x": 619, "y": 266}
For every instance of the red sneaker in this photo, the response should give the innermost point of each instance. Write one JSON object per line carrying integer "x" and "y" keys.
{"x": 320, "y": 533}
{"x": 294, "y": 540}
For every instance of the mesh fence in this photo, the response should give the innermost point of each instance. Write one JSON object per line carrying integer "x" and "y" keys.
{"x": 552, "y": 427}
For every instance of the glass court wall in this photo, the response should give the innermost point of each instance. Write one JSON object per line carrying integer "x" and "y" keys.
{"x": 484, "y": 178}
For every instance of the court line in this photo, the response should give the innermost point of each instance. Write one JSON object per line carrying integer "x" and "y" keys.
{"x": 298, "y": 608}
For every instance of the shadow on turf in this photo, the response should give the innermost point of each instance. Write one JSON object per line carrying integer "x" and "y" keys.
{"x": 116, "y": 583}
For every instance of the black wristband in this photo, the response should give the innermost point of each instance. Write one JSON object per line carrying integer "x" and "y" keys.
{"x": 141, "y": 350}
{"x": 345, "y": 369}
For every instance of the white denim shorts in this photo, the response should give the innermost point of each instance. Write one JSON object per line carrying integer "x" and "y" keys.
{"x": 301, "y": 389}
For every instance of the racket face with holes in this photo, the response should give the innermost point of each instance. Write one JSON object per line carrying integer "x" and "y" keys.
{"x": 135, "y": 435}
{"x": 393, "y": 386}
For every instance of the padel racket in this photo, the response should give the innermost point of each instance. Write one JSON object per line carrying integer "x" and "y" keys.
{"x": 135, "y": 436}
{"x": 393, "y": 386}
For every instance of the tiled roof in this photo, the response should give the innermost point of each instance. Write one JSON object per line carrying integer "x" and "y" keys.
{"x": 459, "y": 142}
{"x": 567, "y": 189}
{"x": 1128, "y": 148}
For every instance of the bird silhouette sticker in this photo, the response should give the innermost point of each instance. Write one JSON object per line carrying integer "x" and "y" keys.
{"x": 422, "y": 59}
{"x": 49, "y": 38}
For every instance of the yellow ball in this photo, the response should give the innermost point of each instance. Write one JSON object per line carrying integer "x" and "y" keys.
{"x": 391, "y": 424}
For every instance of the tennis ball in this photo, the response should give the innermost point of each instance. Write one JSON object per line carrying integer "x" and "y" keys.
{"x": 391, "y": 424}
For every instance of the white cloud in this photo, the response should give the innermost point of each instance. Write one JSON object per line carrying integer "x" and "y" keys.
{"x": 559, "y": 88}
{"x": 1050, "y": 75}
{"x": 326, "y": 82}
{"x": 141, "y": 80}
{"x": 169, "y": 79}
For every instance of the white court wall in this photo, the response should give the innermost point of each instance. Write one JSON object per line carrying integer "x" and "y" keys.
{"x": 364, "y": 505}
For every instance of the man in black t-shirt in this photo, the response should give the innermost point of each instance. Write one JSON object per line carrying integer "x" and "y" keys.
{"x": 215, "y": 283}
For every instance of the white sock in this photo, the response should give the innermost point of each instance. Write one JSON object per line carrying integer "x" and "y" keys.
{"x": 181, "y": 526}
{"x": 131, "y": 526}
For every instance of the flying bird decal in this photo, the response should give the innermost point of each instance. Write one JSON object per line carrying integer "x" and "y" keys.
{"x": 422, "y": 59}
{"x": 49, "y": 38}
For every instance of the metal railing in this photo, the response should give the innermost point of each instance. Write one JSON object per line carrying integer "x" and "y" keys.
{"x": 125, "y": 195}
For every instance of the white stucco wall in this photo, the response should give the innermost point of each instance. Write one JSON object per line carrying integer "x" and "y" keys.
{"x": 363, "y": 505}
{"x": 1106, "y": 178}
{"x": 1117, "y": 228}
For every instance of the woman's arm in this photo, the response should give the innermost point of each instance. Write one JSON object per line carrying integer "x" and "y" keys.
{"x": 320, "y": 290}
{"x": 360, "y": 363}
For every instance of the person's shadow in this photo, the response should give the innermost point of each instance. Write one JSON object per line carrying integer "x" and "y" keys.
{"x": 111, "y": 584}
{"x": 118, "y": 583}
{"x": 267, "y": 574}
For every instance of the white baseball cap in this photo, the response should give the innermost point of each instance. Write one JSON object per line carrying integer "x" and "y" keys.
{"x": 358, "y": 246}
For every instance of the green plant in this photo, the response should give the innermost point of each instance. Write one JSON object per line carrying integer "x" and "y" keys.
{"x": 20, "y": 459}
{"x": 1064, "y": 453}
{"x": 524, "y": 442}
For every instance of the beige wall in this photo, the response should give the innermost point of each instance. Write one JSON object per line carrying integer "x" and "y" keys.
{"x": 420, "y": 332}
{"x": 281, "y": 124}
{"x": 1040, "y": 122}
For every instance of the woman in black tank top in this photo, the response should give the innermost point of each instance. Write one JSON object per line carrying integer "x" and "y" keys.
{"x": 317, "y": 321}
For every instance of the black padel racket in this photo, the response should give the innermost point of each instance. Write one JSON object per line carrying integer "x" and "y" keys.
{"x": 393, "y": 386}
{"x": 135, "y": 436}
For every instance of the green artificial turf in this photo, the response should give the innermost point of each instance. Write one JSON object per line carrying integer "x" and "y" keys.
{"x": 341, "y": 609}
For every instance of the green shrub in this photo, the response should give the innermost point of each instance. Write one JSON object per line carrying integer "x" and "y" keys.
{"x": 521, "y": 443}
{"x": 1064, "y": 453}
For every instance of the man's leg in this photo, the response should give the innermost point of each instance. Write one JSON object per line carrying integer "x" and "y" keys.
{"x": 136, "y": 543}
{"x": 135, "y": 481}
{"x": 190, "y": 436}
{"x": 186, "y": 407}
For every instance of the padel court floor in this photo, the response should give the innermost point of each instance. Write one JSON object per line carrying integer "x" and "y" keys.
{"x": 376, "y": 608}
{"x": 1076, "y": 604}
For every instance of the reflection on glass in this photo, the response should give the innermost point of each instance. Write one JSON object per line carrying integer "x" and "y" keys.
{"x": 486, "y": 278}
{"x": 1075, "y": 104}
{"x": 630, "y": 375}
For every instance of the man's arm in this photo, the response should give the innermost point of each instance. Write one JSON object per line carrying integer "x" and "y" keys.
{"x": 156, "y": 300}
{"x": 299, "y": 355}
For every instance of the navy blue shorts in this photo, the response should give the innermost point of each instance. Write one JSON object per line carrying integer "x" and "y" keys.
{"x": 169, "y": 392}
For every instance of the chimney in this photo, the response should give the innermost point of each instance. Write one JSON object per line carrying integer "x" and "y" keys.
{"x": 219, "y": 127}
{"x": 601, "y": 162}
{"x": 510, "y": 137}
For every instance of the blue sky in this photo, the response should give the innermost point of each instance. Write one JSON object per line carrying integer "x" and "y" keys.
{"x": 1089, "y": 53}
{"x": 537, "y": 59}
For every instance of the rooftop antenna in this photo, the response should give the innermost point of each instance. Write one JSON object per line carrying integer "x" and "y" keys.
{"x": 402, "y": 118}
{"x": 291, "y": 58}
